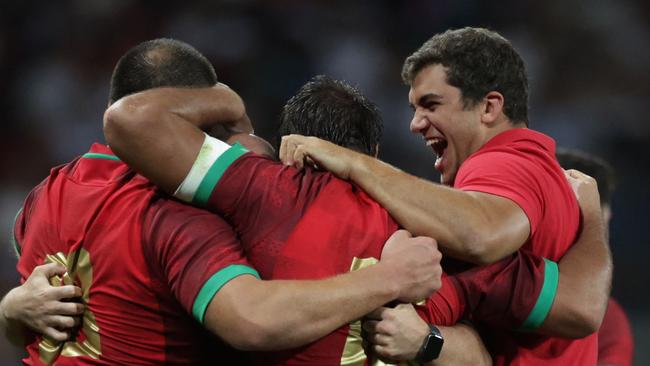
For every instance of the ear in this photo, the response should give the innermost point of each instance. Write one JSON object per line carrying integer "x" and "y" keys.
{"x": 492, "y": 107}
{"x": 376, "y": 151}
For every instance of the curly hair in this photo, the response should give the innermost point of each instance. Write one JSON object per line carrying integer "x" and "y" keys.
{"x": 477, "y": 61}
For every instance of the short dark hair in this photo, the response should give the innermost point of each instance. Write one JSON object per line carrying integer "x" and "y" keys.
{"x": 593, "y": 166}
{"x": 158, "y": 63}
{"x": 335, "y": 111}
{"x": 478, "y": 61}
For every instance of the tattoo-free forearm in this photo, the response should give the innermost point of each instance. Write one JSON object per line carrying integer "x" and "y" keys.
{"x": 273, "y": 315}
{"x": 158, "y": 132}
{"x": 584, "y": 284}
{"x": 13, "y": 330}
{"x": 463, "y": 346}
{"x": 471, "y": 226}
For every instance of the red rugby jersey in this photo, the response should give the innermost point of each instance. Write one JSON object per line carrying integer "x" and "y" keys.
{"x": 145, "y": 263}
{"x": 520, "y": 164}
{"x": 615, "y": 339}
{"x": 307, "y": 225}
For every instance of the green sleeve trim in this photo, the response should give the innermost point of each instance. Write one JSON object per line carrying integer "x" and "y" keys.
{"x": 13, "y": 239}
{"x": 100, "y": 156}
{"x": 214, "y": 284}
{"x": 215, "y": 173}
{"x": 546, "y": 296}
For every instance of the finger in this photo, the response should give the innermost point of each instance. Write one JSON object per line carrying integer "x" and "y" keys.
{"x": 382, "y": 353}
{"x": 378, "y": 339}
{"x": 68, "y": 308}
{"x": 299, "y": 156}
{"x": 377, "y": 314}
{"x": 77, "y": 321}
{"x": 50, "y": 269}
{"x": 283, "y": 149}
{"x": 64, "y": 292}
{"x": 289, "y": 150}
{"x": 370, "y": 326}
{"x": 61, "y": 322}
{"x": 55, "y": 334}
{"x": 397, "y": 238}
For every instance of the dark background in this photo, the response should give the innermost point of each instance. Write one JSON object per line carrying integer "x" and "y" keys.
{"x": 587, "y": 63}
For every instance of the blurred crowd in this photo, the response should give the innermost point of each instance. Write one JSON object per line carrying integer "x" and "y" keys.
{"x": 587, "y": 63}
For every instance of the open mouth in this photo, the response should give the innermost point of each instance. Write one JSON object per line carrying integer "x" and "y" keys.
{"x": 438, "y": 145}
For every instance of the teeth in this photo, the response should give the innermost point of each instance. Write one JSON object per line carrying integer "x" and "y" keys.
{"x": 433, "y": 141}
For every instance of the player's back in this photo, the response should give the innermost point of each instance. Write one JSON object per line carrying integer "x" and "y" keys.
{"x": 302, "y": 225}
{"x": 87, "y": 215}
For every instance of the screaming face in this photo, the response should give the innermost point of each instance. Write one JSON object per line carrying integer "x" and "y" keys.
{"x": 452, "y": 131}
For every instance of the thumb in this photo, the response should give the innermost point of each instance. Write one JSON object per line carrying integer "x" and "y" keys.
{"x": 397, "y": 237}
{"x": 51, "y": 269}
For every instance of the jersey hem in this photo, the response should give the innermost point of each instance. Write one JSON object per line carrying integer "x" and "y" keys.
{"x": 214, "y": 284}
{"x": 545, "y": 300}
{"x": 215, "y": 173}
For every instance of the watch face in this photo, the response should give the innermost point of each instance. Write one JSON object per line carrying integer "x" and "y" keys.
{"x": 432, "y": 346}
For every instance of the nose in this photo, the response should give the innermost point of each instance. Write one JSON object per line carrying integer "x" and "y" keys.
{"x": 418, "y": 123}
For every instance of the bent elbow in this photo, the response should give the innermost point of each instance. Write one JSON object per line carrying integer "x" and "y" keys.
{"x": 248, "y": 339}
{"x": 586, "y": 321}
{"x": 127, "y": 118}
{"x": 479, "y": 248}
{"x": 254, "y": 335}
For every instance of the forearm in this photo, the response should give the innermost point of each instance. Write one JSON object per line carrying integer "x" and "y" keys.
{"x": 163, "y": 128}
{"x": 584, "y": 284}
{"x": 463, "y": 346}
{"x": 13, "y": 330}
{"x": 273, "y": 315}
{"x": 469, "y": 226}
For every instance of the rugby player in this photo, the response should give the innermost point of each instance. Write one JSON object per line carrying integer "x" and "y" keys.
{"x": 147, "y": 264}
{"x": 469, "y": 94}
{"x": 294, "y": 224}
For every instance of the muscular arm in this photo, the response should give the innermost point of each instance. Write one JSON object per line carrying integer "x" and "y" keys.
{"x": 463, "y": 346}
{"x": 472, "y": 226}
{"x": 158, "y": 132}
{"x": 253, "y": 314}
{"x": 585, "y": 271}
{"x": 576, "y": 311}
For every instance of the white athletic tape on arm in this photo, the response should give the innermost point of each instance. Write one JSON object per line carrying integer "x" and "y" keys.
{"x": 210, "y": 151}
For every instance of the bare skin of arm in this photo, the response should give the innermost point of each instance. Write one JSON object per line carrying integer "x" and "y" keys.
{"x": 38, "y": 306}
{"x": 577, "y": 311}
{"x": 585, "y": 270}
{"x": 158, "y": 132}
{"x": 401, "y": 332}
{"x": 475, "y": 227}
{"x": 252, "y": 314}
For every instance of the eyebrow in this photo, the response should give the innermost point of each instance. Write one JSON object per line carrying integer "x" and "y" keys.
{"x": 425, "y": 98}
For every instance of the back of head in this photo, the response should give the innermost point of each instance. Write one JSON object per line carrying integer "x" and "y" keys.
{"x": 593, "y": 166}
{"x": 335, "y": 111}
{"x": 478, "y": 61}
{"x": 159, "y": 63}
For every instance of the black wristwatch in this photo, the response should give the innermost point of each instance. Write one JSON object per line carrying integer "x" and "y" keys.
{"x": 430, "y": 349}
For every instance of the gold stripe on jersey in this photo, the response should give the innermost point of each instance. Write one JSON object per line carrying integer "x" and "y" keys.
{"x": 79, "y": 267}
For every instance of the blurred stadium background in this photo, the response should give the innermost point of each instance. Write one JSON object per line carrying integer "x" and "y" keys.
{"x": 587, "y": 63}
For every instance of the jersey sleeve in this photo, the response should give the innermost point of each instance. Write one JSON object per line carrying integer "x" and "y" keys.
{"x": 615, "y": 340}
{"x": 506, "y": 174}
{"x": 194, "y": 252}
{"x": 255, "y": 194}
{"x": 514, "y": 293}
{"x": 446, "y": 306}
